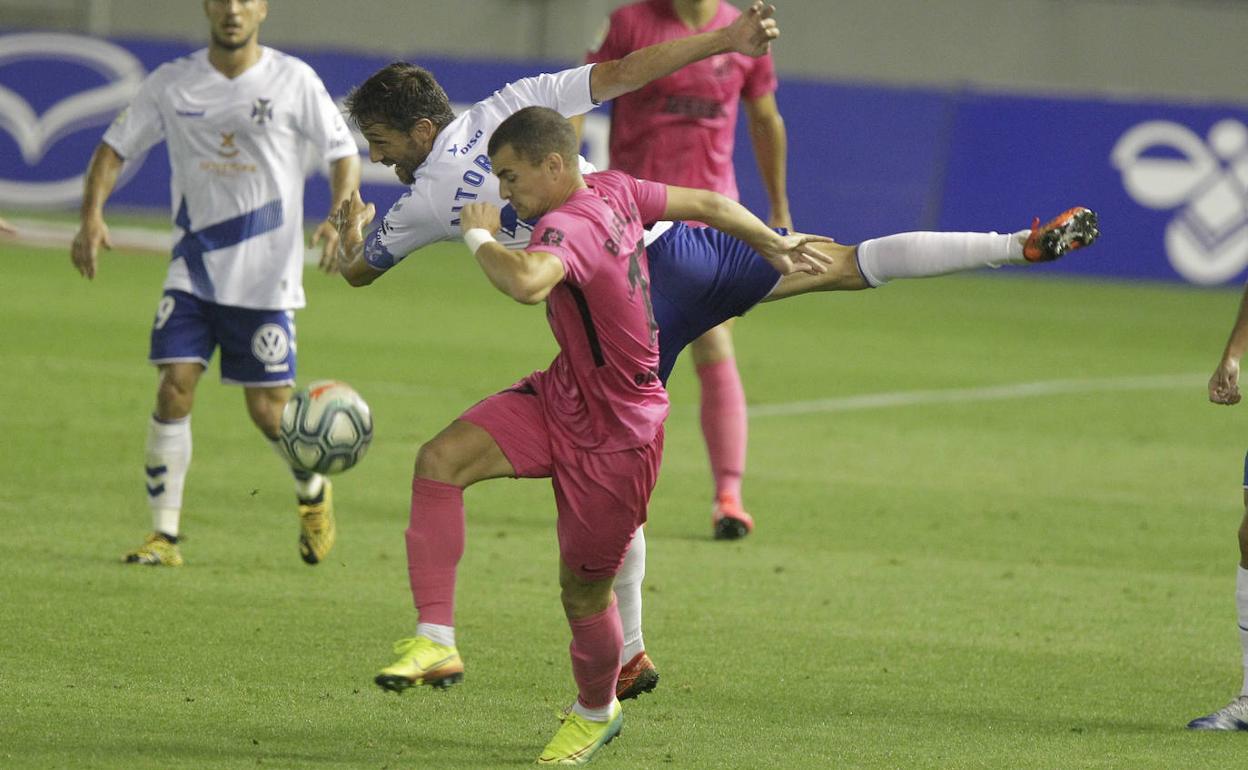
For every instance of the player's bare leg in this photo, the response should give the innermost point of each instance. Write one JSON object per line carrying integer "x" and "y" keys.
{"x": 167, "y": 461}
{"x": 724, "y": 428}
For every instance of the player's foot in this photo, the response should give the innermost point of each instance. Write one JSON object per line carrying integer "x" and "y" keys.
{"x": 157, "y": 551}
{"x": 729, "y": 520}
{"x": 1072, "y": 229}
{"x": 421, "y": 661}
{"x": 579, "y": 738}
{"x": 317, "y": 530}
{"x": 1233, "y": 716}
{"x": 636, "y": 676}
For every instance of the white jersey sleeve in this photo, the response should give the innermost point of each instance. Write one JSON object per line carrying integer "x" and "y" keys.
{"x": 140, "y": 125}
{"x": 457, "y": 170}
{"x": 566, "y": 92}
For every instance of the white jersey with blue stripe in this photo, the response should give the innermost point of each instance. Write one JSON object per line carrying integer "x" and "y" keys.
{"x": 457, "y": 171}
{"x": 239, "y": 150}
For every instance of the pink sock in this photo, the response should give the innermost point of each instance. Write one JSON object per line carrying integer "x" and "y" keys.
{"x": 724, "y": 424}
{"x": 435, "y": 543}
{"x": 596, "y": 644}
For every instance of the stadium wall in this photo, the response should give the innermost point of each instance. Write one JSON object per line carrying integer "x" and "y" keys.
{"x": 1170, "y": 178}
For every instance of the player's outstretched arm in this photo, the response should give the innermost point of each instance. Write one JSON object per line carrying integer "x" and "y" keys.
{"x": 93, "y": 232}
{"x": 525, "y": 276}
{"x": 794, "y": 253}
{"x": 344, "y": 180}
{"x": 349, "y": 221}
{"x": 751, "y": 34}
{"x": 1224, "y": 384}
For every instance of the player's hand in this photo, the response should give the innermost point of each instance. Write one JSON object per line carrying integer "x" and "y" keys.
{"x": 326, "y": 236}
{"x": 1224, "y": 384}
{"x": 86, "y": 247}
{"x": 7, "y": 228}
{"x": 483, "y": 215}
{"x": 349, "y": 220}
{"x": 752, "y": 32}
{"x": 797, "y": 253}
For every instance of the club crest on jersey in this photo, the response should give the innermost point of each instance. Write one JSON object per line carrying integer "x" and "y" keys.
{"x": 227, "y": 148}
{"x": 261, "y": 111}
{"x": 270, "y": 345}
{"x": 552, "y": 237}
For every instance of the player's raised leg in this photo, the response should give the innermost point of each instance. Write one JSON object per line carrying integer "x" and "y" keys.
{"x": 461, "y": 455}
{"x": 877, "y": 261}
{"x": 1234, "y": 715}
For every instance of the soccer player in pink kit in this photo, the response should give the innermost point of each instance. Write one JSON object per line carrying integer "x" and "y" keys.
{"x": 592, "y": 422}
{"x": 680, "y": 130}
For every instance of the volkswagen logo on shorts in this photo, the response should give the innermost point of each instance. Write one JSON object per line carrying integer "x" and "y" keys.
{"x": 270, "y": 345}
{"x": 49, "y": 179}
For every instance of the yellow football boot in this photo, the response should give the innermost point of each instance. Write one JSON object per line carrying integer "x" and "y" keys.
{"x": 317, "y": 530}
{"x": 421, "y": 661}
{"x": 578, "y": 738}
{"x": 156, "y": 551}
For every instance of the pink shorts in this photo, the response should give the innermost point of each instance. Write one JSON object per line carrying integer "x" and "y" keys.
{"x": 601, "y": 498}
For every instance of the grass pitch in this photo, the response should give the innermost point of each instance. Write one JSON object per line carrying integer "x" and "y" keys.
{"x": 1042, "y": 581}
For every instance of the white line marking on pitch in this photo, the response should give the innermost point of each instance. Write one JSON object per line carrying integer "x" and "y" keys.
{"x": 988, "y": 393}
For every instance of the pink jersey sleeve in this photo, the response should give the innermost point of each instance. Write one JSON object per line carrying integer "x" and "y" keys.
{"x": 561, "y": 234}
{"x": 651, "y": 200}
{"x": 761, "y": 79}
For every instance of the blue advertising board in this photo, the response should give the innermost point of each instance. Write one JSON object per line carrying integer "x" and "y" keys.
{"x": 1170, "y": 180}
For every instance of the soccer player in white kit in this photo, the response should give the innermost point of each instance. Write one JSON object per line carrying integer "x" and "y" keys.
{"x": 240, "y": 120}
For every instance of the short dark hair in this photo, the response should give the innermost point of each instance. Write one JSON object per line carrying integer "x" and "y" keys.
{"x": 398, "y": 95}
{"x": 534, "y": 133}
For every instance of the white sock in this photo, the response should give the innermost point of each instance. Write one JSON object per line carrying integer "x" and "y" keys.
{"x": 167, "y": 461}
{"x": 628, "y": 595}
{"x": 307, "y": 485}
{"x": 602, "y": 714}
{"x": 444, "y": 635}
{"x": 1241, "y": 605}
{"x": 926, "y": 254}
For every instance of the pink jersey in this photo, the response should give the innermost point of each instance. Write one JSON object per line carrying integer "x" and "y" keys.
{"x": 602, "y": 392}
{"x": 679, "y": 129}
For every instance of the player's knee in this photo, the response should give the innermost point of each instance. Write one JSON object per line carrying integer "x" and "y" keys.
{"x": 583, "y": 598}
{"x": 440, "y": 459}
{"x": 174, "y": 398}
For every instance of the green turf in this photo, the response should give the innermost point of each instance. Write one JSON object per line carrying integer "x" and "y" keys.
{"x": 1043, "y": 582}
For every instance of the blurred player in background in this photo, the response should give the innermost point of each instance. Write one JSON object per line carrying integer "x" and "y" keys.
{"x": 680, "y": 130}
{"x": 1224, "y": 389}
{"x": 239, "y": 119}
{"x": 7, "y": 228}
{"x": 407, "y": 119}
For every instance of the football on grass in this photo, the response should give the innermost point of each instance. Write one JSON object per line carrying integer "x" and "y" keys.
{"x": 326, "y": 427}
